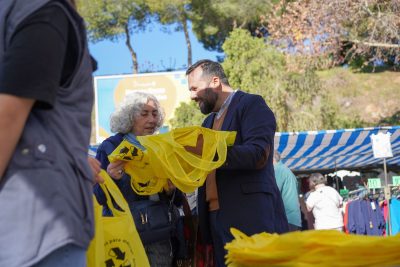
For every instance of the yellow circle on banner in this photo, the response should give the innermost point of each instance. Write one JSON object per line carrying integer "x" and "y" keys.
{"x": 160, "y": 86}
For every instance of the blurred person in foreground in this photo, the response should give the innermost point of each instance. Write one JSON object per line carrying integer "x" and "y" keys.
{"x": 325, "y": 204}
{"x": 287, "y": 184}
{"x": 242, "y": 193}
{"x": 46, "y": 97}
{"x": 139, "y": 114}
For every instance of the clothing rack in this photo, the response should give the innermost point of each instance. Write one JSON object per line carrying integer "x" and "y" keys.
{"x": 379, "y": 194}
{"x": 357, "y": 194}
{"x": 357, "y": 191}
{"x": 395, "y": 191}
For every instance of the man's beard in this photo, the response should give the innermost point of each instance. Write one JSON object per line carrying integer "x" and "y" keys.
{"x": 208, "y": 101}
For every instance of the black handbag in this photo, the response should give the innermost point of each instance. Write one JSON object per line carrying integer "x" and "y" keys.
{"x": 155, "y": 220}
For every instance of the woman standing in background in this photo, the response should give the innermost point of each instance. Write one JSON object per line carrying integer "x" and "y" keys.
{"x": 325, "y": 204}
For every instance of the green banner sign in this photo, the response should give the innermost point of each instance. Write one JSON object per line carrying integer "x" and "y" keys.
{"x": 374, "y": 183}
{"x": 396, "y": 180}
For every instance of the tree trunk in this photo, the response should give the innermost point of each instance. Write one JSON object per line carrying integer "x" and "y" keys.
{"x": 376, "y": 44}
{"x": 188, "y": 43}
{"x": 133, "y": 53}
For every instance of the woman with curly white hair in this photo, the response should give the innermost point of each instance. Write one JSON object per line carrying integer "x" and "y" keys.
{"x": 139, "y": 114}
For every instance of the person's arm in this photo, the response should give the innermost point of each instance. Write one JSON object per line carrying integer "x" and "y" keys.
{"x": 310, "y": 203}
{"x": 96, "y": 168}
{"x": 340, "y": 200}
{"x": 24, "y": 80}
{"x": 309, "y": 209}
{"x": 14, "y": 112}
{"x": 257, "y": 128}
{"x": 115, "y": 169}
{"x": 106, "y": 148}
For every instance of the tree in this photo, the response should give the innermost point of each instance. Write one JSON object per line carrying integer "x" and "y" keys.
{"x": 344, "y": 30}
{"x": 296, "y": 98}
{"x": 255, "y": 67}
{"x": 174, "y": 11}
{"x": 114, "y": 19}
{"x": 213, "y": 20}
{"x": 187, "y": 115}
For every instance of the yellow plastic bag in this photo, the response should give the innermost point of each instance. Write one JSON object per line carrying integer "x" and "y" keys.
{"x": 322, "y": 248}
{"x": 166, "y": 158}
{"x": 116, "y": 241}
{"x": 95, "y": 253}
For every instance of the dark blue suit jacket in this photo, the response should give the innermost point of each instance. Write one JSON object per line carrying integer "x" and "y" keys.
{"x": 249, "y": 198}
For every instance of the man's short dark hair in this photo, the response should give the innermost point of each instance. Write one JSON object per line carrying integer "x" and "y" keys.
{"x": 210, "y": 68}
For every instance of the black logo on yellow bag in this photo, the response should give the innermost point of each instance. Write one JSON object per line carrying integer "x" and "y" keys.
{"x": 117, "y": 258}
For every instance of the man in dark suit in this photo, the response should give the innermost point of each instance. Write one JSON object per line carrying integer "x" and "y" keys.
{"x": 242, "y": 193}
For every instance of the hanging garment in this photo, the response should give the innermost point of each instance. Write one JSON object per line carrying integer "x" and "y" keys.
{"x": 365, "y": 218}
{"x": 394, "y": 216}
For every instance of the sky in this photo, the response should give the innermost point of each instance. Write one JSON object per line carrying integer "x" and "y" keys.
{"x": 156, "y": 49}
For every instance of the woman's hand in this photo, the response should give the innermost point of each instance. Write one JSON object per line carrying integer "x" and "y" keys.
{"x": 96, "y": 168}
{"x": 116, "y": 169}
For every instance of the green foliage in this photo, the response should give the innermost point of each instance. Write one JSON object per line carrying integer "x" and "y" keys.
{"x": 175, "y": 12}
{"x": 107, "y": 19}
{"x": 255, "y": 67}
{"x": 364, "y": 99}
{"x": 187, "y": 115}
{"x": 170, "y": 11}
{"x": 113, "y": 19}
{"x": 259, "y": 68}
{"x": 392, "y": 120}
{"x": 297, "y": 99}
{"x": 209, "y": 26}
{"x": 300, "y": 98}
{"x": 213, "y": 20}
{"x": 305, "y": 86}
{"x": 332, "y": 118}
{"x": 304, "y": 101}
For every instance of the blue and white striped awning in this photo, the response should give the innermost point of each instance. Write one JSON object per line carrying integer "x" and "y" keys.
{"x": 334, "y": 149}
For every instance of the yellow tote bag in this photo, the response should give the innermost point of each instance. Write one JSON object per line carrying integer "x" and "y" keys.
{"x": 95, "y": 253}
{"x": 116, "y": 241}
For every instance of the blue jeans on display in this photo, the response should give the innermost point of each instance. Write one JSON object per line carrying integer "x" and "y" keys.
{"x": 69, "y": 255}
{"x": 219, "y": 239}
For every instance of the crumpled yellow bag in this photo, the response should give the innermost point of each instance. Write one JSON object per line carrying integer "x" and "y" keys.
{"x": 312, "y": 248}
{"x": 95, "y": 253}
{"x": 166, "y": 158}
{"x": 116, "y": 241}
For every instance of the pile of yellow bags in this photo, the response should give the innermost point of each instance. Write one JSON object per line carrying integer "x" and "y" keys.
{"x": 312, "y": 248}
{"x": 166, "y": 158}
